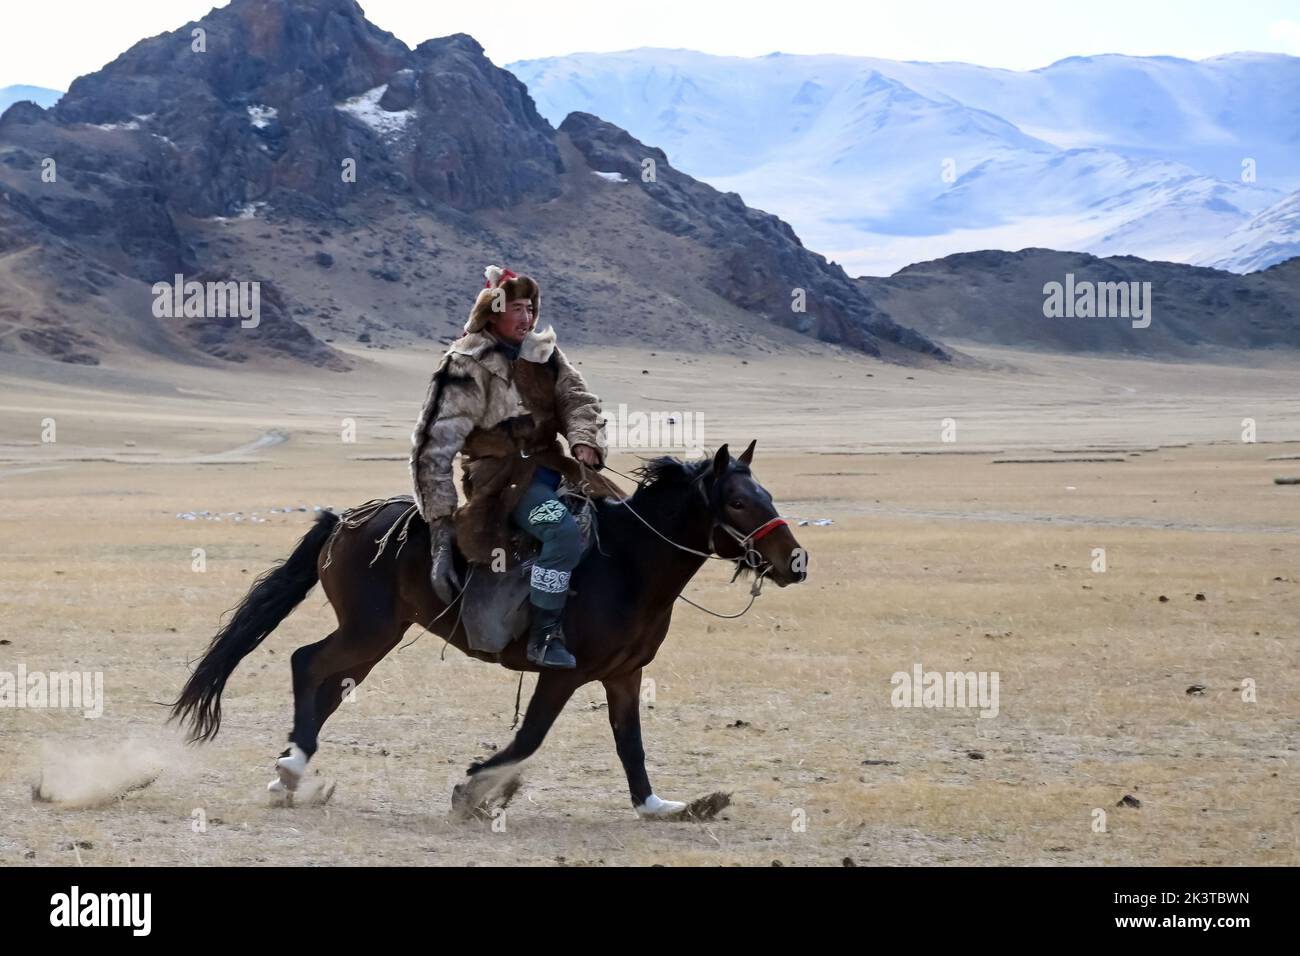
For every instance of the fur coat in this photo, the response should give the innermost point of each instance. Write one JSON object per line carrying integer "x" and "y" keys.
{"x": 505, "y": 415}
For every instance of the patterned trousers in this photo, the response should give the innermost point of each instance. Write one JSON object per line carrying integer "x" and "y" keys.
{"x": 544, "y": 516}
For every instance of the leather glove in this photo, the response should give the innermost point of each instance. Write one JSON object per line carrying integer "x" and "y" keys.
{"x": 446, "y": 582}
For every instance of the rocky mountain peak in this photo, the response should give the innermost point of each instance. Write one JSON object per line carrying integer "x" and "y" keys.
{"x": 220, "y": 147}
{"x": 264, "y": 95}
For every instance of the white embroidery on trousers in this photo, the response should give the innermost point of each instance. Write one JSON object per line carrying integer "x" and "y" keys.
{"x": 550, "y": 580}
{"x": 548, "y": 512}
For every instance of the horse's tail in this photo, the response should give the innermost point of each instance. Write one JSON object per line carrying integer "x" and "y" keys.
{"x": 272, "y": 598}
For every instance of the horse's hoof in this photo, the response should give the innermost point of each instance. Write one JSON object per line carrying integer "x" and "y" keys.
{"x": 291, "y": 766}
{"x": 280, "y": 795}
{"x": 486, "y": 791}
{"x": 312, "y": 794}
{"x": 461, "y": 806}
{"x": 656, "y": 809}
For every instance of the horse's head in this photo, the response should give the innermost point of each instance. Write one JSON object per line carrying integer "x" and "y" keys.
{"x": 746, "y": 525}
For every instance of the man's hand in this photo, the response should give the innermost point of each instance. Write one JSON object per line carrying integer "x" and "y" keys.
{"x": 587, "y": 455}
{"x": 446, "y": 582}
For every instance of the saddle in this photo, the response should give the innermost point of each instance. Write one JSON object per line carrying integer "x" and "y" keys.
{"x": 494, "y": 604}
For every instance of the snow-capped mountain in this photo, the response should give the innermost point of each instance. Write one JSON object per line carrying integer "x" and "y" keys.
{"x": 9, "y": 95}
{"x": 1272, "y": 236}
{"x": 881, "y": 163}
{"x": 226, "y": 168}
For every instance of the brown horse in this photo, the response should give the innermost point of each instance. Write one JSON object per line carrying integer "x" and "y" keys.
{"x": 650, "y": 546}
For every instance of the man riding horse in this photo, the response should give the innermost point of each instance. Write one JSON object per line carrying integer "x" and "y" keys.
{"x": 501, "y": 395}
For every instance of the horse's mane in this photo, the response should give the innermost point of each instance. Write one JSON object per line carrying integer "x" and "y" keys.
{"x": 667, "y": 472}
{"x": 662, "y": 485}
{"x": 663, "y": 479}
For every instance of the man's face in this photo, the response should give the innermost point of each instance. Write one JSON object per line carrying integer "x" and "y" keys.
{"x": 515, "y": 322}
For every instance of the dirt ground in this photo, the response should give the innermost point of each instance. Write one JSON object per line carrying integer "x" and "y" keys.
{"x": 1170, "y": 677}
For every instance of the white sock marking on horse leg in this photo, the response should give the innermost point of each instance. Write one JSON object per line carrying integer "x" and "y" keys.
{"x": 290, "y": 768}
{"x": 654, "y": 807}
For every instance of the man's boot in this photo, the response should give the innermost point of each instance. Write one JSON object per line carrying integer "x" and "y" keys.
{"x": 546, "y": 640}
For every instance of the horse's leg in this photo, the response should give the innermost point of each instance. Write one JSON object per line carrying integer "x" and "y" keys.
{"x": 332, "y": 692}
{"x": 554, "y": 688}
{"x": 624, "y": 696}
{"x": 335, "y": 689}
{"x": 313, "y": 667}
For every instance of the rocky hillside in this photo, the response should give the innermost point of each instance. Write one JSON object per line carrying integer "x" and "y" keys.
{"x": 998, "y": 298}
{"x": 762, "y": 258}
{"x": 364, "y": 185}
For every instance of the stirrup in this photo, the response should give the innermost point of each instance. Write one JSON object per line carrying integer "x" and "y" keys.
{"x": 550, "y": 652}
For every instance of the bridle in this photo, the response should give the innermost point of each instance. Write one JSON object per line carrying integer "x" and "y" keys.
{"x": 750, "y": 558}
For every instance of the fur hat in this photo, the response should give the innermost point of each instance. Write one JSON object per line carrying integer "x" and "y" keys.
{"x": 512, "y": 287}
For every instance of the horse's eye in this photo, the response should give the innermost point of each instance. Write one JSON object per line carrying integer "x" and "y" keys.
{"x": 736, "y": 503}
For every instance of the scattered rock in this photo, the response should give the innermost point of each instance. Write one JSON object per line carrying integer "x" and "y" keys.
{"x": 1128, "y": 800}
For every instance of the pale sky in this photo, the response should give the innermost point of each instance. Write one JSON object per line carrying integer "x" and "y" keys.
{"x": 49, "y": 42}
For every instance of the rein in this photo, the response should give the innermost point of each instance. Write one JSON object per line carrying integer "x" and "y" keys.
{"x": 750, "y": 559}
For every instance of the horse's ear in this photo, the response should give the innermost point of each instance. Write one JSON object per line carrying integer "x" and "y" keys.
{"x": 721, "y": 460}
{"x": 747, "y": 455}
